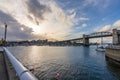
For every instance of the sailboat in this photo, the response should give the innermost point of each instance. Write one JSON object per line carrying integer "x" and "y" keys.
{"x": 101, "y": 46}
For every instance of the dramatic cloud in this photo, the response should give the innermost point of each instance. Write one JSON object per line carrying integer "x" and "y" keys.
{"x": 14, "y": 31}
{"x": 54, "y": 19}
{"x": 46, "y": 20}
{"x": 36, "y": 9}
{"x": 109, "y": 27}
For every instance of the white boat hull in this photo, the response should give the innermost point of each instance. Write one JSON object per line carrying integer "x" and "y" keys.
{"x": 100, "y": 49}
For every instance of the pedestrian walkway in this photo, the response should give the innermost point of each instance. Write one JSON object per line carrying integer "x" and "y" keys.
{"x": 3, "y": 73}
{"x": 7, "y": 72}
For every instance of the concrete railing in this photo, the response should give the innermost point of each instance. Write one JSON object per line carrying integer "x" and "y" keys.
{"x": 113, "y": 46}
{"x": 22, "y": 72}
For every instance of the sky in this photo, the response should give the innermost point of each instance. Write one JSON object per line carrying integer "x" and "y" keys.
{"x": 57, "y": 19}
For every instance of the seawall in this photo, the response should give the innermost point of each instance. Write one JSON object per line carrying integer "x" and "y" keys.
{"x": 113, "y": 54}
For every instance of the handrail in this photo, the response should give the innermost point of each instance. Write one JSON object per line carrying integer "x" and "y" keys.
{"x": 22, "y": 72}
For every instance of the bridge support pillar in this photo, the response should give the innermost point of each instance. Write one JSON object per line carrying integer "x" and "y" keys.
{"x": 85, "y": 40}
{"x": 116, "y": 36}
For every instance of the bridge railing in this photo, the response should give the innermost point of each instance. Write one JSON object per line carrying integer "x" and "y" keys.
{"x": 22, "y": 72}
{"x": 98, "y": 34}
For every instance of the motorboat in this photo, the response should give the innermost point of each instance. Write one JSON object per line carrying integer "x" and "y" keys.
{"x": 101, "y": 46}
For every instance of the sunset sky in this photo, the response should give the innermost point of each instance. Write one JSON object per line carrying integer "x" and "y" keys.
{"x": 57, "y": 19}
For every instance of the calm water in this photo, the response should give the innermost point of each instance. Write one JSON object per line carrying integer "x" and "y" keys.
{"x": 72, "y": 63}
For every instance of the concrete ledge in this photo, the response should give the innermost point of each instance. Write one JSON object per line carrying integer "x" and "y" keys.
{"x": 113, "y": 54}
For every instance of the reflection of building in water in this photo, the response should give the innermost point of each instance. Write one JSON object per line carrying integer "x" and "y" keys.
{"x": 114, "y": 68}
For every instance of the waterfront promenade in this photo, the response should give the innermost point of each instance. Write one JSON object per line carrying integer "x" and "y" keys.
{"x": 7, "y": 71}
{"x": 3, "y": 73}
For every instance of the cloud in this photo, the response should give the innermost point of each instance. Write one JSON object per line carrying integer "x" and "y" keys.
{"x": 91, "y": 2}
{"x": 105, "y": 28}
{"x": 45, "y": 20}
{"x": 99, "y": 3}
{"x": 57, "y": 22}
{"x": 37, "y": 9}
{"x": 84, "y": 25}
{"x": 83, "y": 18}
{"x": 76, "y": 21}
{"x": 14, "y": 31}
{"x": 116, "y": 24}
{"x": 108, "y": 27}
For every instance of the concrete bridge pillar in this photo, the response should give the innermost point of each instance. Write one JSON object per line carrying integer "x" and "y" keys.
{"x": 85, "y": 40}
{"x": 115, "y": 36}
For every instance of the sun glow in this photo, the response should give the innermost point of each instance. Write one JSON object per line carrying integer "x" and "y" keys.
{"x": 37, "y": 29}
{"x": 42, "y": 20}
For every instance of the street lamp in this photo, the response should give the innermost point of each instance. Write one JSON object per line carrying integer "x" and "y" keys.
{"x": 5, "y": 33}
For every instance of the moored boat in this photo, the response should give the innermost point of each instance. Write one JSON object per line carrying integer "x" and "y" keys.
{"x": 100, "y": 48}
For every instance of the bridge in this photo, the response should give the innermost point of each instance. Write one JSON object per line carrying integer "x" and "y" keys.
{"x": 115, "y": 34}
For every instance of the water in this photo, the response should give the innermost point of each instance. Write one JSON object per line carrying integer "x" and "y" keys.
{"x": 72, "y": 63}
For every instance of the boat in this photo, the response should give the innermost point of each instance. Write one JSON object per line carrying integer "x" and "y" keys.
{"x": 101, "y": 46}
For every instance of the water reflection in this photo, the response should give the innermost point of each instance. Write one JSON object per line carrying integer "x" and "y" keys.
{"x": 114, "y": 68}
{"x": 72, "y": 63}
